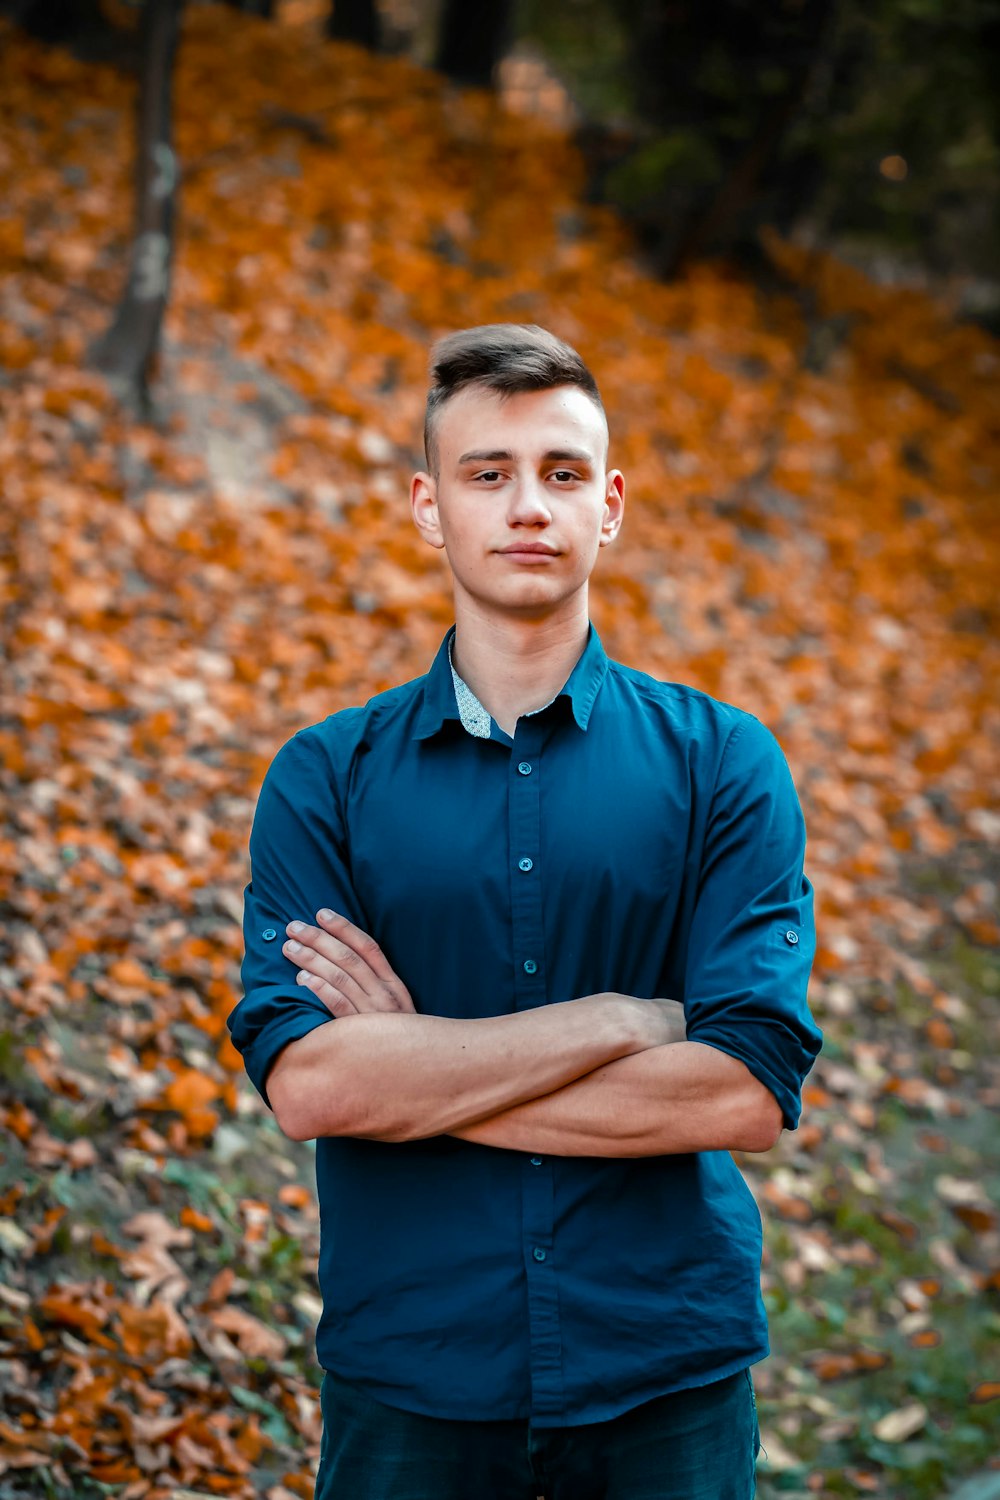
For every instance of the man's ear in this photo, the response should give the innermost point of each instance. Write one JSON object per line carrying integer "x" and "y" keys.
{"x": 614, "y": 506}
{"x": 423, "y": 504}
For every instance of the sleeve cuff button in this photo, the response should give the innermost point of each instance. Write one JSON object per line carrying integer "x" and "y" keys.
{"x": 791, "y": 937}
{"x": 269, "y": 934}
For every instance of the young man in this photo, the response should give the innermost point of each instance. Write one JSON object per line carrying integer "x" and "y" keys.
{"x": 540, "y": 1265}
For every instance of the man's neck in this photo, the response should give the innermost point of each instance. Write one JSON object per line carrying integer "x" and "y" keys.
{"x": 515, "y": 666}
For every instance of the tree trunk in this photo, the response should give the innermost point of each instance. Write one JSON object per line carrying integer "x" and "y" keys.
{"x": 127, "y": 351}
{"x": 80, "y": 25}
{"x": 355, "y": 21}
{"x": 720, "y": 84}
{"x": 728, "y": 218}
{"x": 473, "y": 39}
{"x": 60, "y": 21}
{"x": 263, "y": 8}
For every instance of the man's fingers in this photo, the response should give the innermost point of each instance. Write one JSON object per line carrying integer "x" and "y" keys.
{"x": 329, "y": 980}
{"x": 329, "y": 946}
{"x": 358, "y": 942}
{"x": 344, "y": 956}
{"x": 334, "y": 999}
{"x": 331, "y": 966}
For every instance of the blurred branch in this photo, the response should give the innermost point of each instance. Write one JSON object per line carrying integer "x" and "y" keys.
{"x": 472, "y": 39}
{"x": 925, "y": 386}
{"x": 355, "y": 21}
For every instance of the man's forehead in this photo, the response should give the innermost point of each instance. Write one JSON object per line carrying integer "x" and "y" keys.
{"x": 559, "y": 419}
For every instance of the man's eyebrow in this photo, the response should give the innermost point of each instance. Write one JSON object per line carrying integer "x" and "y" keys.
{"x": 483, "y": 456}
{"x": 569, "y": 455}
{"x": 504, "y": 455}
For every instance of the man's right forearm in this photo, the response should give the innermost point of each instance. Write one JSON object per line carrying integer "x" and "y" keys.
{"x": 395, "y": 1076}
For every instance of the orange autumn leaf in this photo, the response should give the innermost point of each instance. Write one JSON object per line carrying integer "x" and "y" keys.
{"x": 128, "y": 971}
{"x": 300, "y": 1485}
{"x": 254, "y": 1338}
{"x": 156, "y": 1331}
{"x": 294, "y": 1195}
{"x": 939, "y": 1032}
{"x": 828, "y": 1366}
{"x": 787, "y": 1205}
{"x": 69, "y": 1312}
{"x": 981, "y": 1219}
{"x": 220, "y": 1287}
{"x": 33, "y": 1336}
{"x": 190, "y": 1091}
{"x": 101, "y": 1245}
{"x": 191, "y": 1218}
{"x": 227, "y": 1055}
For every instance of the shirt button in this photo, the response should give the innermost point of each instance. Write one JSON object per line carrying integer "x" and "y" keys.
{"x": 536, "y": 1161}
{"x": 524, "y": 766}
{"x": 791, "y": 937}
{"x": 524, "y": 864}
{"x": 530, "y": 967}
{"x": 538, "y": 1253}
{"x": 269, "y": 934}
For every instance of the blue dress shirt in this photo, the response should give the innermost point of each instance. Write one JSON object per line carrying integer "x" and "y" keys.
{"x": 634, "y": 836}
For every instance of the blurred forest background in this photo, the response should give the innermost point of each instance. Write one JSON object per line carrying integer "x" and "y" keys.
{"x": 228, "y": 235}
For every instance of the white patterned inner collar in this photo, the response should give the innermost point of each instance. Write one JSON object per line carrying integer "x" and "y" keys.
{"x": 475, "y": 718}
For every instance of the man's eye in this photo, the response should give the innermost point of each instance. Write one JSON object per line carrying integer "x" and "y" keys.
{"x": 563, "y": 474}
{"x": 489, "y": 474}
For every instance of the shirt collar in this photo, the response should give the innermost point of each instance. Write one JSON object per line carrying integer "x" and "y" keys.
{"x": 441, "y": 704}
{"x": 474, "y": 715}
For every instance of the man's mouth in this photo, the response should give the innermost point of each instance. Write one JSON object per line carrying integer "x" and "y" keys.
{"x": 530, "y": 549}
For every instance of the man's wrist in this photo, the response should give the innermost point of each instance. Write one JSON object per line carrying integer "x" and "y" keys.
{"x": 649, "y": 1023}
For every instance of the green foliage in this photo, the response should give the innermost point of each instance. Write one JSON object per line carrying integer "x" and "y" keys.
{"x": 588, "y": 41}
{"x": 922, "y": 91}
{"x": 892, "y": 139}
{"x": 682, "y": 158}
{"x": 274, "y": 1426}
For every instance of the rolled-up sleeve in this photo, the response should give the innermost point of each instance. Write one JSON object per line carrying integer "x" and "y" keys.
{"x": 298, "y": 863}
{"x": 752, "y": 936}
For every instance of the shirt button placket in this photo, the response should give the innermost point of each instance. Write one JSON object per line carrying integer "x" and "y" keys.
{"x": 545, "y": 1342}
{"x": 530, "y": 990}
{"x": 524, "y": 833}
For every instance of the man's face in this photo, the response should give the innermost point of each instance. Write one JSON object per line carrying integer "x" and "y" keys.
{"x": 522, "y": 501}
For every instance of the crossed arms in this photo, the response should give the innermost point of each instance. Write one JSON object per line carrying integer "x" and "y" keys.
{"x": 602, "y": 1075}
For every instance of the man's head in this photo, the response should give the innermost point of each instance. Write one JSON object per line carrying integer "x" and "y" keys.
{"x": 517, "y": 493}
{"x": 509, "y": 359}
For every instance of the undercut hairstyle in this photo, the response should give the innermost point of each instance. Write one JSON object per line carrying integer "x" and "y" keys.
{"x": 508, "y": 358}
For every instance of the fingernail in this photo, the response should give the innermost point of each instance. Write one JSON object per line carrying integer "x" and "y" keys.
{"x": 294, "y": 927}
{"x": 292, "y": 946}
{"x": 324, "y": 914}
{"x": 303, "y": 977}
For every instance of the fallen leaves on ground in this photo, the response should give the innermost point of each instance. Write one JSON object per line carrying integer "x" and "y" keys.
{"x": 811, "y": 532}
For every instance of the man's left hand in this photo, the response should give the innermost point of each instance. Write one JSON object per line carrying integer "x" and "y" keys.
{"x": 344, "y": 967}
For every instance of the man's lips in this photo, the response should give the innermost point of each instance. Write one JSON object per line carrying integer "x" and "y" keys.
{"x": 529, "y": 549}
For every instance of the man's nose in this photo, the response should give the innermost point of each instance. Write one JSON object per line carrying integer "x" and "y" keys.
{"x": 529, "y": 503}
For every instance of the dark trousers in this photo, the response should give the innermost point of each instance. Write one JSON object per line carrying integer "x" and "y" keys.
{"x": 693, "y": 1445}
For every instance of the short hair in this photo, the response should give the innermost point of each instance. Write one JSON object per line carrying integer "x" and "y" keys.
{"x": 508, "y": 358}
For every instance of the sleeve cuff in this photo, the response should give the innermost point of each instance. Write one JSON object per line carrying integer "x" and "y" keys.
{"x": 767, "y": 1060}
{"x": 294, "y": 1019}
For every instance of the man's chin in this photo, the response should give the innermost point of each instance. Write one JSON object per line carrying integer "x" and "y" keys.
{"x": 536, "y": 603}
